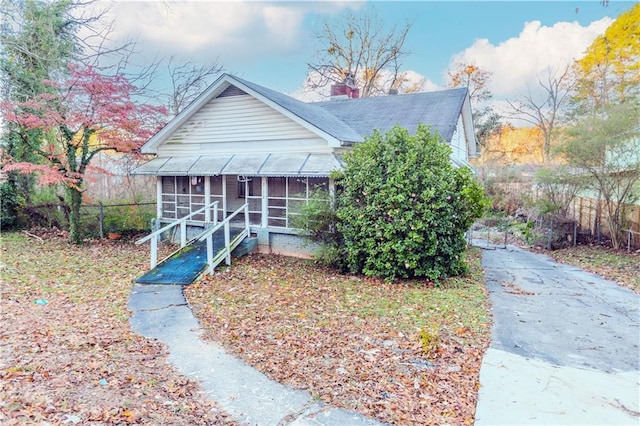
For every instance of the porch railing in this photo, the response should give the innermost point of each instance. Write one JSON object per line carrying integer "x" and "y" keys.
{"x": 182, "y": 222}
{"x": 229, "y": 245}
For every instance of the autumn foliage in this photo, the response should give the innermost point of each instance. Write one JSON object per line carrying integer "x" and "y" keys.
{"x": 83, "y": 116}
{"x": 88, "y": 113}
{"x": 514, "y": 145}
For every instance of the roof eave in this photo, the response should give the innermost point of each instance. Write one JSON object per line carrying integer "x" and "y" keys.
{"x": 470, "y": 133}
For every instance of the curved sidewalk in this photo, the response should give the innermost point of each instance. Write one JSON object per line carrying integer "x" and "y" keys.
{"x": 161, "y": 312}
{"x": 565, "y": 345}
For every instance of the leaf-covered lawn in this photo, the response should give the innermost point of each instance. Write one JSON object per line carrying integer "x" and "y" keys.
{"x": 405, "y": 353}
{"x": 616, "y": 265}
{"x": 67, "y": 353}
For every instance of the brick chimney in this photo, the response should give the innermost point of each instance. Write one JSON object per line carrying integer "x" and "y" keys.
{"x": 345, "y": 90}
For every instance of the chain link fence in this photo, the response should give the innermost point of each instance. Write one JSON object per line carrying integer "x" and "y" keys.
{"x": 548, "y": 233}
{"x": 96, "y": 220}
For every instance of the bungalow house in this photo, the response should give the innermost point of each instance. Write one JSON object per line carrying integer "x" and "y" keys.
{"x": 243, "y": 143}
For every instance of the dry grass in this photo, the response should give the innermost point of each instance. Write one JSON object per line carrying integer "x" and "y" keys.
{"x": 405, "y": 353}
{"x": 67, "y": 353}
{"x": 620, "y": 266}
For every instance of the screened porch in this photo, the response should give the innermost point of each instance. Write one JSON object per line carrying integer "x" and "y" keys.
{"x": 273, "y": 201}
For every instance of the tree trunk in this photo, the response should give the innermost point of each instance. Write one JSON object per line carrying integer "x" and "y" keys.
{"x": 75, "y": 202}
{"x": 614, "y": 223}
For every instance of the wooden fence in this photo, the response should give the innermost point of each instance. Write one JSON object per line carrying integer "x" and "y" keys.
{"x": 589, "y": 213}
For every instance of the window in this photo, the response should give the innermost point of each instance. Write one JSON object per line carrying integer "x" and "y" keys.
{"x": 182, "y": 195}
{"x": 287, "y": 195}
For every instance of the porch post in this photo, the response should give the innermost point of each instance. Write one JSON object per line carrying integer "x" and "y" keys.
{"x": 224, "y": 197}
{"x": 158, "y": 197}
{"x": 207, "y": 198}
{"x": 210, "y": 253}
{"x": 332, "y": 192}
{"x": 154, "y": 251}
{"x": 183, "y": 233}
{"x": 227, "y": 242}
{"x": 265, "y": 202}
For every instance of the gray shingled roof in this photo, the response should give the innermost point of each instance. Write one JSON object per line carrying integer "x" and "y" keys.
{"x": 440, "y": 110}
{"x": 350, "y": 120}
{"x": 318, "y": 117}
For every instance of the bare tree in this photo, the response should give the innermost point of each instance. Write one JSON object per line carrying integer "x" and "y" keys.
{"x": 188, "y": 80}
{"x": 543, "y": 111}
{"x": 474, "y": 79}
{"x": 486, "y": 121}
{"x": 360, "y": 46}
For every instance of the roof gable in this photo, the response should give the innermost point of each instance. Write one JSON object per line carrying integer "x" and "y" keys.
{"x": 317, "y": 121}
{"x": 339, "y": 122}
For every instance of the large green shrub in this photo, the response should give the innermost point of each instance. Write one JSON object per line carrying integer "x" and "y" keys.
{"x": 403, "y": 209}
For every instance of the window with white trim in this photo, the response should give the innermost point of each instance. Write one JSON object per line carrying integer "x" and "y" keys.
{"x": 181, "y": 195}
{"x": 287, "y": 194}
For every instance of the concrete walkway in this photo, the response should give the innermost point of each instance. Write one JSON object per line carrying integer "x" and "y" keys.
{"x": 161, "y": 312}
{"x": 565, "y": 345}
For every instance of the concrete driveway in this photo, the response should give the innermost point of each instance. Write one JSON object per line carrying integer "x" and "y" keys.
{"x": 565, "y": 345}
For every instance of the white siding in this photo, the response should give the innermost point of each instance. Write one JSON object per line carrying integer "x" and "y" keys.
{"x": 237, "y": 124}
{"x": 459, "y": 142}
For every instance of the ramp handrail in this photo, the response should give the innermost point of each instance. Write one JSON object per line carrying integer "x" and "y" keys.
{"x": 226, "y": 253}
{"x": 183, "y": 231}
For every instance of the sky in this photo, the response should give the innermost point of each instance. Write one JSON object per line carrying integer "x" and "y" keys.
{"x": 270, "y": 43}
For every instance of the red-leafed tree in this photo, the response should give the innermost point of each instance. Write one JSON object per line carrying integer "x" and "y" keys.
{"x": 88, "y": 113}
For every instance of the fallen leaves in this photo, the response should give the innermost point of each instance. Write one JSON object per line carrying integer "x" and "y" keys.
{"x": 620, "y": 266}
{"x": 513, "y": 288}
{"x": 72, "y": 358}
{"x": 352, "y": 342}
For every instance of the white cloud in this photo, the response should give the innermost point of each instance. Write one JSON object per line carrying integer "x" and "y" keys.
{"x": 235, "y": 31}
{"x": 520, "y": 61}
{"x": 283, "y": 23}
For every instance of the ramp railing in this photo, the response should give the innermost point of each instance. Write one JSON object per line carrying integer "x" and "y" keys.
{"x": 229, "y": 244}
{"x": 182, "y": 222}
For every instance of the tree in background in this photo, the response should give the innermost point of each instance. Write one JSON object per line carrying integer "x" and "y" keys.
{"x": 605, "y": 146}
{"x": 87, "y": 114}
{"x": 361, "y": 47}
{"x": 37, "y": 40}
{"x": 188, "y": 81}
{"x": 559, "y": 185}
{"x": 485, "y": 120}
{"x": 610, "y": 70}
{"x": 515, "y": 145}
{"x": 543, "y": 109}
{"x": 403, "y": 210}
{"x": 603, "y": 138}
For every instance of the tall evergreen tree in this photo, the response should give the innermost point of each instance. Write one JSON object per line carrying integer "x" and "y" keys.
{"x": 38, "y": 40}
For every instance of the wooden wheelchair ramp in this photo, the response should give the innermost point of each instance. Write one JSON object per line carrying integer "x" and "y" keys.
{"x": 186, "y": 265}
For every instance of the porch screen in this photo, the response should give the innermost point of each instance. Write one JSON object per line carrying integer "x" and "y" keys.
{"x": 287, "y": 194}
{"x": 181, "y": 195}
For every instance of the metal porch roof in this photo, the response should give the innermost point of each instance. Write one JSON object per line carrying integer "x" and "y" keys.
{"x": 274, "y": 164}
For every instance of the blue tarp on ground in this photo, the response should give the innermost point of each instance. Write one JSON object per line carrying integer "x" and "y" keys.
{"x": 184, "y": 267}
